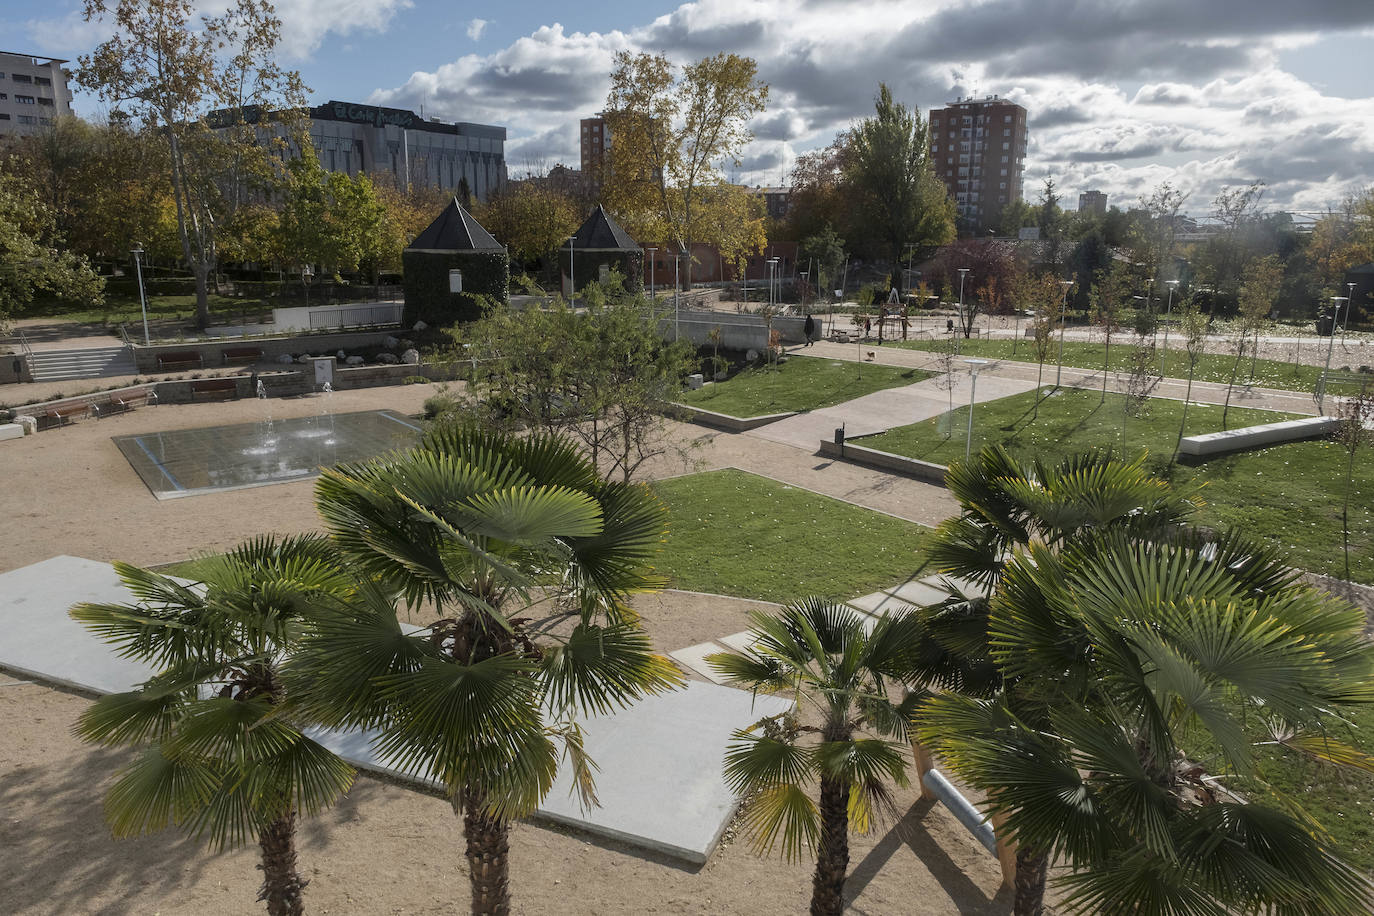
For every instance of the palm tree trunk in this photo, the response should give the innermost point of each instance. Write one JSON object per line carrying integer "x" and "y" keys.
{"x": 282, "y": 885}
{"x": 488, "y": 855}
{"x": 832, "y": 859}
{"x": 1029, "y": 889}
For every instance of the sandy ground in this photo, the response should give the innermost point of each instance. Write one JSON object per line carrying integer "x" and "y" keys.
{"x": 387, "y": 848}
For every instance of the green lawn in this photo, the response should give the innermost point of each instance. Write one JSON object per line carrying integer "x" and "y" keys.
{"x": 1211, "y": 367}
{"x": 801, "y": 383}
{"x": 735, "y": 533}
{"x": 1288, "y": 493}
{"x": 125, "y": 310}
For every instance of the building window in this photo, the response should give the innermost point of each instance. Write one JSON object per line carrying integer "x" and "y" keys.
{"x": 3, "y": 96}
{"x": 42, "y": 81}
{"x": 1006, "y": 119}
{"x": 24, "y": 99}
{"x": 1002, "y": 185}
{"x": 1002, "y": 199}
{"x": 1006, "y": 146}
{"x": 21, "y": 78}
{"x": 27, "y": 119}
{"x": 4, "y": 116}
{"x": 43, "y": 101}
{"x": 1004, "y": 173}
{"x": 46, "y": 122}
{"x": 1004, "y": 158}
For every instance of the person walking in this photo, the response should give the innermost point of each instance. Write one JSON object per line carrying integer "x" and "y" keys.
{"x": 809, "y": 328}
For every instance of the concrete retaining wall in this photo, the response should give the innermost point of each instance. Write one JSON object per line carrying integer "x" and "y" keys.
{"x": 212, "y": 352}
{"x": 724, "y": 421}
{"x": 885, "y": 461}
{"x": 738, "y": 331}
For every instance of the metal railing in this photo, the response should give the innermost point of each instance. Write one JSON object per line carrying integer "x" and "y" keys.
{"x": 354, "y": 316}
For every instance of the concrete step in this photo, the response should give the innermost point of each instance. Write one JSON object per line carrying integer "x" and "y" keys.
{"x": 94, "y": 362}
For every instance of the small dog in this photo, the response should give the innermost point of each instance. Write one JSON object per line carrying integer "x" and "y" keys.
{"x": 872, "y": 356}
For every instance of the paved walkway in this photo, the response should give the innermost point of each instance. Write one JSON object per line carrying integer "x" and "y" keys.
{"x": 882, "y": 410}
{"x": 1298, "y": 402}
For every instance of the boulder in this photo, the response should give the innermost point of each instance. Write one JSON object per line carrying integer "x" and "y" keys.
{"x": 354, "y": 361}
{"x": 27, "y": 423}
{"x": 411, "y": 357}
{"x": 391, "y": 343}
{"x": 341, "y": 355}
{"x": 286, "y": 358}
{"x": 752, "y": 356}
{"x": 419, "y": 326}
{"x": 388, "y": 359}
{"x": 304, "y": 358}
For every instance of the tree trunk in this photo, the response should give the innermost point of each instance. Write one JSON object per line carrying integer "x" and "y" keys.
{"x": 1187, "y": 394}
{"x": 488, "y": 855}
{"x": 1029, "y": 890}
{"x": 832, "y": 859}
{"x": 282, "y": 885}
{"x": 1230, "y": 383}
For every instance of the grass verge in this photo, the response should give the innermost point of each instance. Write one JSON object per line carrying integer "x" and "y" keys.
{"x": 1290, "y": 494}
{"x": 801, "y": 383}
{"x": 1211, "y": 367}
{"x": 735, "y": 533}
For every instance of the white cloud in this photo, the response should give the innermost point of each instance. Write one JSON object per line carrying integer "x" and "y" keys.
{"x": 476, "y": 27}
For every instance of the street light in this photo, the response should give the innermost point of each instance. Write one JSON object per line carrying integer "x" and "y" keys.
{"x": 802, "y": 298}
{"x": 1063, "y": 311}
{"x": 1321, "y": 385}
{"x": 142, "y": 300}
{"x": 963, "y": 272}
{"x": 1150, "y": 303}
{"x": 1350, "y": 300}
{"x": 652, "y": 265}
{"x": 772, "y": 266}
{"x": 307, "y": 274}
{"x": 973, "y": 365}
{"x": 572, "y": 281}
{"x": 1169, "y": 310}
{"x": 677, "y": 286}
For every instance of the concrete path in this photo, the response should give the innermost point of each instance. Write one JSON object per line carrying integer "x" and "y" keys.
{"x": 1298, "y": 402}
{"x": 668, "y": 794}
{"x": 882, "y": 410}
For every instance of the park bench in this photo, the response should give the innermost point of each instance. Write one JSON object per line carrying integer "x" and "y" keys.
{"x": 215, "y": 389}
{"x": 183, "y": 359}
{"x": 54, "y": 417}
{"x": 122, "y": 403}
{"x": 242, "y": 356}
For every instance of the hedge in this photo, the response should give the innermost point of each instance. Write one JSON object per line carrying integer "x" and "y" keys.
{"x": 485, "y": 274}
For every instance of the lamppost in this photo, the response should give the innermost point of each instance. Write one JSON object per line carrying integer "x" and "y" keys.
{"x": 307, "y": 274}
{"x": 652, "y": 265}
{"x": 802, "y": 298}
{"x": 142, "y": 300}
{"x": 1321, "y": 385}
{"x": 963, "y": 272}
{"x": 1350, "y": 300}
{"x": 572, "y": 281}
{"x": 677, "y": 262}
{"x": 1150, "y": 302}
{"x": 1168, "y": 311}
{"x": 772, "y": 266}
{"x": 973, "y": 365}
{"x": 1063, "y": 312}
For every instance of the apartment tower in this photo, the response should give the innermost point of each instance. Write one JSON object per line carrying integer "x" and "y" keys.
{"x": 978, "y": 148}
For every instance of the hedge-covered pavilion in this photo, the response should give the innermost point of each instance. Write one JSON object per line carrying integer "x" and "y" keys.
{"x": 449, "y": 266}
{"x": 599, "y": 247}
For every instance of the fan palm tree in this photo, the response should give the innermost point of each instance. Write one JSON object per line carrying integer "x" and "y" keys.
{"x": 1006, "y": 507}
{"x": 1126, "y": 655}
{"x": 219, "y": 757}
{"x": 485, "y": 527}
{"x": 843, "y": 676}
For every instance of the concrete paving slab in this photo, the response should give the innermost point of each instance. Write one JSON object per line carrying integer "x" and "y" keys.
{"x": 920, "y": 592}
{"x": 742, "y": 642}
{"x": 661, "y": 786}
{"x": 694, "y": 658}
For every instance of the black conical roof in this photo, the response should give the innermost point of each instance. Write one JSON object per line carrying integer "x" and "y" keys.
{"x": 600, "y": 232}
{"x": 455, "y": 230}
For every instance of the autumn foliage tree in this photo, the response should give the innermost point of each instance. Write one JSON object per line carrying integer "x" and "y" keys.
{"x": 672, "y": 131}
{"x": 170, "y": 68}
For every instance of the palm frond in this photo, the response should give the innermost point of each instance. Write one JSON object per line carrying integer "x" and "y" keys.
{"x": 599, "y": 668}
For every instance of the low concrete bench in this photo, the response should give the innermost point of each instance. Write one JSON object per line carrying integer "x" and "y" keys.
{"x": 242, "y": 356}
{"x": 215, "y": 389}
{"x": 1234, "y": 440}
{"x": 187, "y": 359}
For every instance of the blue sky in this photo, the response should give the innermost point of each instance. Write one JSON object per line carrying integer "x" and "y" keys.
{"x": 1122, "y": 94}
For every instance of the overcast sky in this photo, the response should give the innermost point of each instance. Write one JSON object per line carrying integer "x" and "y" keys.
{"x": 1122, "y": 94}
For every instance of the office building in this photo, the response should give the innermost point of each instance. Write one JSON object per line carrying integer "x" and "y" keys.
{"x": 978, "y": 149}
{"x": 1092, "y": 202}
{"x": 596, "y": 151}
{"x": 413, "y": 151}
{"x": 33, "y": 93}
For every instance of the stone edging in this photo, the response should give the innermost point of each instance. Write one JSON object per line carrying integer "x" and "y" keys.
{"x": 725, "y": 421}
{"x": 885, "y": 461}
